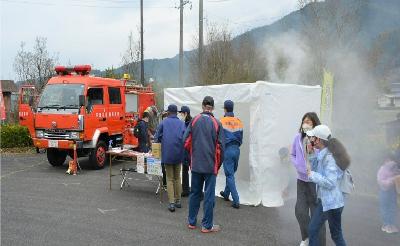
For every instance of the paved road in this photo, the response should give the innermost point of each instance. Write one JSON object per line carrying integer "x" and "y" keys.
{"x": 40, "y": 205}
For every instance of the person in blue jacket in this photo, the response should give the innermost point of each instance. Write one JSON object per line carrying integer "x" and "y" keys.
{"x": 205, "y": 133}
{"x": 326, "y": 171}
{"x": 170, "y": 135}
{"x": 233, "y": 130}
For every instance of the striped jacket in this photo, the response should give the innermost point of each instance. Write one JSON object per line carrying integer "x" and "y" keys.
{"x": 233, "y": 129}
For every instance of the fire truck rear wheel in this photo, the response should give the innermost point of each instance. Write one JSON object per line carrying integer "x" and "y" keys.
{"x": 98, "y": 157}
{"x": 56, "y": 157}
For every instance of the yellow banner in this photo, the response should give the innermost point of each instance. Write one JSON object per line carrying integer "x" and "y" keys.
{"x": 327, "y": 98}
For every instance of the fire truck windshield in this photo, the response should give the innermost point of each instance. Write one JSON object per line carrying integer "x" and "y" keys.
{"x": 61, "y": 96}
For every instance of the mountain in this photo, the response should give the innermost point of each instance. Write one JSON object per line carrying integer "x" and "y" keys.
{"x": 379, "y": 28}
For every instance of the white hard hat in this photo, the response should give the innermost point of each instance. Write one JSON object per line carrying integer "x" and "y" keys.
{"x": 320, "y": 131}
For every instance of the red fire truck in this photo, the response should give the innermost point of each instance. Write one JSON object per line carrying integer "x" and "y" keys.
{"x": 87, "y": 112}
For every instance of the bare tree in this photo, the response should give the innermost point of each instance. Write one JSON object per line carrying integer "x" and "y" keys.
{"x": 35, "y": 66}
{"x": 43, "y": 64}
{"x": 249, "y": 64}
{"x": 22, "y": 64}
{"x": 327, "y": 27}
{"x": 131, "y": 56}
{"x": 218, "y": 54}
{"x": 226, "y": 60}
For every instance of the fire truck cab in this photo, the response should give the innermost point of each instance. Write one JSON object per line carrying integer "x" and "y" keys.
{"x": 86, "y": 112}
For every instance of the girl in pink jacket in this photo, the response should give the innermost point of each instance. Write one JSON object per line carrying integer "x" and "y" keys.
{"x": 388, "y": 172}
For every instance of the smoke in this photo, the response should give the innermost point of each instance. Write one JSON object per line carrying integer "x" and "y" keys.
{"x": 355, "y": 118}
{"x": 286, "y": 57}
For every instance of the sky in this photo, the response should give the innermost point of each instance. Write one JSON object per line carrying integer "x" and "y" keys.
{"x": 96, "y": 31}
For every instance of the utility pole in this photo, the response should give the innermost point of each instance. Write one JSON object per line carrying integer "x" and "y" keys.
{"x": 200, "y": 41}
{"x": 181, "y": 6}
{"x": 141, "y": 45}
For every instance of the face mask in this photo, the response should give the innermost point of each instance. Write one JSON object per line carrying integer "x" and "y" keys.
{"x": 306, "y": 127}
{"x": 181, "y": 117}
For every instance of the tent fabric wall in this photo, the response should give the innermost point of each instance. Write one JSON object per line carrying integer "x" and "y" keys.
{"x": 271, "y": 114}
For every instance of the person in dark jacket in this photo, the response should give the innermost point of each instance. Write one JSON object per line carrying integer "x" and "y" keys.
{"x": 205, "y": 133}
{"x": 170, "y": 135}
{"x": 143, "y": 139}
{"x": 233, "y": 130}
{"x": 184, "y": 115}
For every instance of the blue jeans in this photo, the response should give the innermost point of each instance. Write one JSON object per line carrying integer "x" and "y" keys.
{"x": 388, "y": 205}
{"x": 198, "y": 179}
{"x": 231, "y": 161}
{"x": 334, "y": 217}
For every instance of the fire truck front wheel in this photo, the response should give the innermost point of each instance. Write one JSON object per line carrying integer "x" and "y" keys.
{"x": 56, "y": 157}
{"x": 98, "y": 156}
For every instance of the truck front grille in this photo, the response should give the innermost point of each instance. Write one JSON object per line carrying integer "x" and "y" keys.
{"x": 56, "y": 135}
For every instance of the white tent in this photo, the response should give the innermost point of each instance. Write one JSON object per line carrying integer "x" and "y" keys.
{"x": 271, "y": 114}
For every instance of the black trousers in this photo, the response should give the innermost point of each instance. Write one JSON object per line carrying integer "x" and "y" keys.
{"x": 306, "y": 204}
{"x": 164, "y": 175}
{"x": 185, "y": 179}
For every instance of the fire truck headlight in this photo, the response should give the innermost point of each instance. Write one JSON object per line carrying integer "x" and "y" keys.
{"x": 39, "y": 133}
{"x": 74, "y": 135}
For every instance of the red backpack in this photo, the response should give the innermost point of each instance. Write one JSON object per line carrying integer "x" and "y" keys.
{"x": 189, "y": 140}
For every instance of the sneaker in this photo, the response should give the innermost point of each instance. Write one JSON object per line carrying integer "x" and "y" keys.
{"x": 384, "y": 228}
{"x": 223, "y": 196}
{"x": 235, "y": 205}
{"x": 178, "y": 204}
{"x": 392, "y": 229}
{"x": 215, "y": 228}
{"x": 191, "y": 227}
{"x": 171, "y": 207}
{"x": 304, "y": 243}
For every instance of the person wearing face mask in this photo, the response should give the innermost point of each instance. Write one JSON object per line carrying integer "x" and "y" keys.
{"x": 326, "y": 171}
{"x": 306, "y": 199}
{"x": 184, "y": 115}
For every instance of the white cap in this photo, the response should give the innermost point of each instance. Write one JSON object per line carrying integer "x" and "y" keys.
{"x": 320, "y": 131}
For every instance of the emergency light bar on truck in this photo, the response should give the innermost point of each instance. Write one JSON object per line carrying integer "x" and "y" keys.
{"x": 78, "y": 69}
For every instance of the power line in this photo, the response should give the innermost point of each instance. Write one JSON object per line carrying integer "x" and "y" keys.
{"x": 218, "y": 1}
{"x": 80, "y": 5}
{"x": 117, "y": 1}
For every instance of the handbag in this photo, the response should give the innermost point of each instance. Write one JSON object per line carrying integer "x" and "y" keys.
{"x": 347, "y": 183}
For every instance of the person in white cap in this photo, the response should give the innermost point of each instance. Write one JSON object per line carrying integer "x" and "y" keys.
{"x": 327, "y": 169}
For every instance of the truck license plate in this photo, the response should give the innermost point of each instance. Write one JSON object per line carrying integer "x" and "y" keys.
{"x": 53, "y": 144}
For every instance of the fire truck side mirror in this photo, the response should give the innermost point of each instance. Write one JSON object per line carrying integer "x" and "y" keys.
{"x": 81, "y": 100}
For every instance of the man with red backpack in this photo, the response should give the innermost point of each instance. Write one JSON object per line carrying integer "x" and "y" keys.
{"x": 204, "y": 139}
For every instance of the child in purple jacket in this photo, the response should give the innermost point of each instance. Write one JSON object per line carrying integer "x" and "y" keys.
{"x": 306, "y": 200}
